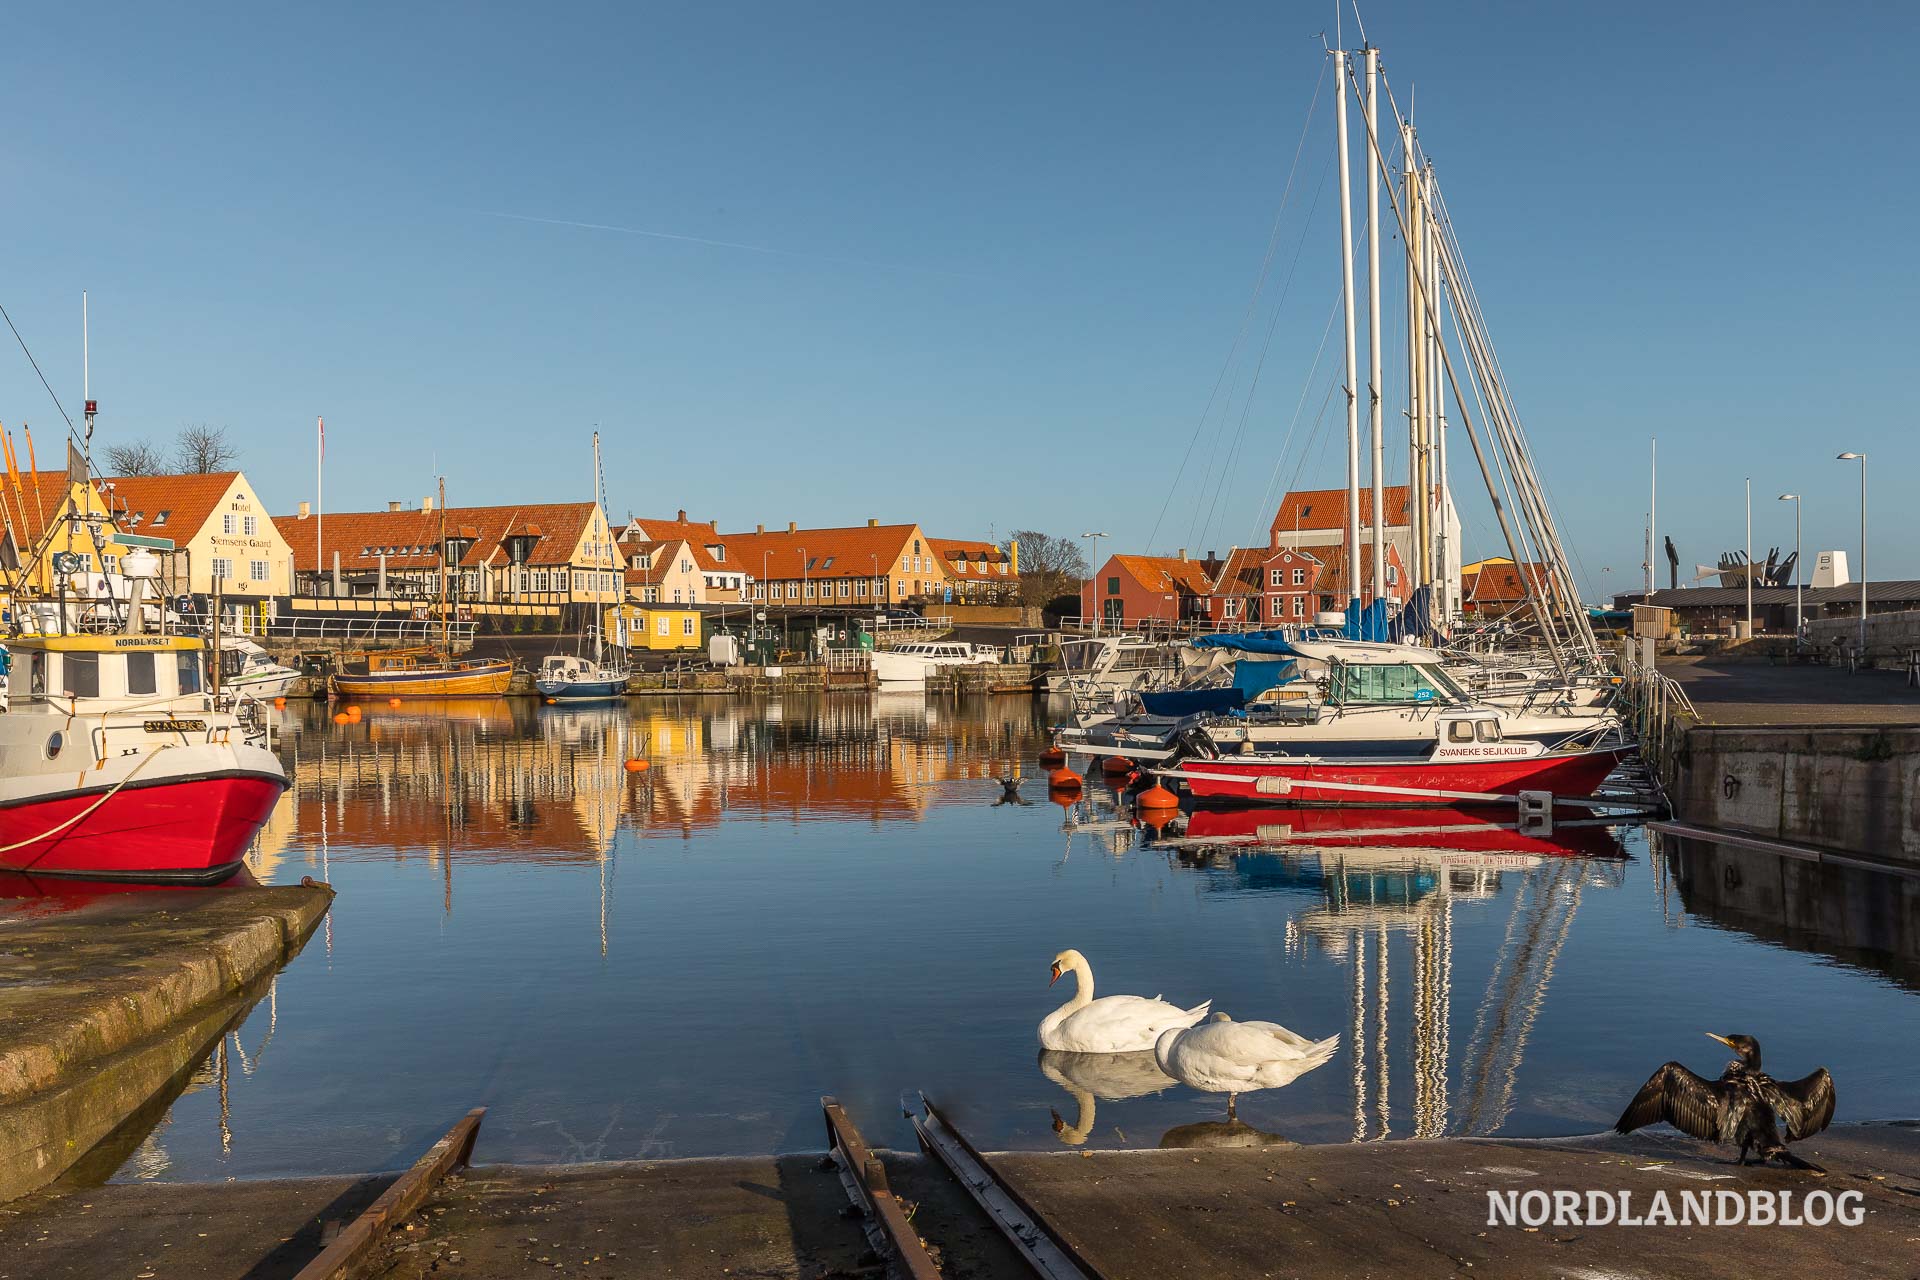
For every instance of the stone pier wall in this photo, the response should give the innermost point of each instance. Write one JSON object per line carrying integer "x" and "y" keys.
{"x": 1852, "y": 790}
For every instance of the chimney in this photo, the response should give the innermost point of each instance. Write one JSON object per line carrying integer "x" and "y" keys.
{"x": 306, "y": 509}
{"x": 682, "y": 517}
{"x": 792, "y": 527}
{"x": 426, "y": 503}
{"x": 759, "y": 528}
{"x": 396, "y": 505}
{"x": 1183, "y": 553}
{"x": 872, "y": 523}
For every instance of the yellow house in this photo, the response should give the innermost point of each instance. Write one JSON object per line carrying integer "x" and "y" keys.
{"x": 81, "y": 553}
{"x": 226, "y": 540}
{"x": 647, "y": 626}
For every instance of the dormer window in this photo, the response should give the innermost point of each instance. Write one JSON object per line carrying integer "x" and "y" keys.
{"x": 160, "y": 518}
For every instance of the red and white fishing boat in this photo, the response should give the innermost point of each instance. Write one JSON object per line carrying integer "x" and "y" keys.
{"x": 116, "y": 762}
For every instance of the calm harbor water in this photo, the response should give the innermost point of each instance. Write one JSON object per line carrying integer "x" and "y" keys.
{"x": 830, "y": 895}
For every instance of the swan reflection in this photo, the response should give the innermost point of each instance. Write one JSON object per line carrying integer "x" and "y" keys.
{"x": 1221, "y": 1135}
{"x": 1091, "y": 1076}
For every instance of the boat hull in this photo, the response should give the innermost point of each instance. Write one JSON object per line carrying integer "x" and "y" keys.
{"x": 482, "y": 679}
{"x": 180, "y": 830}
{"x": 581, "y": 690}
{"x": 1308, "y": 781}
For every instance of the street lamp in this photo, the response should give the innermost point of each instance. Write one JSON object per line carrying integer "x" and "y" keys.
{"x": 1794, "y": 498}
{"x": 1861, "y": 458}
{"x": 1093, "y": 567}
{"x": 874, "y": 556}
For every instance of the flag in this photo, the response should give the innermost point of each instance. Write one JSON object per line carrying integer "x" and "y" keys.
{"x": 323, "y": 438}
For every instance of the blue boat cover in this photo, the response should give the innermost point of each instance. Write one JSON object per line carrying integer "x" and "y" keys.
{"x": 1249, "y": 642}
{"x": 1186, "y": 702}
{"x": 1251, "y": 679}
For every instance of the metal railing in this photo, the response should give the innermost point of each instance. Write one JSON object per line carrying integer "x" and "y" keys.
{"x": 1658, "y": 711}
{"x": 339, "y": 628}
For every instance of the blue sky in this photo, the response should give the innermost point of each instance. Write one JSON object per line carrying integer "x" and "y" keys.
{"x": 979, "y": 267}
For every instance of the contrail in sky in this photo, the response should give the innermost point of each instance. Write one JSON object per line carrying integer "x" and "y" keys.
{"x": 726, "y": 244}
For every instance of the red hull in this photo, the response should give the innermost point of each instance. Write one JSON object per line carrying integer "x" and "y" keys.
{"x": 1398, "y": 782}
{"x": 1423, "y": 829}
{"x": 191, "y": 830}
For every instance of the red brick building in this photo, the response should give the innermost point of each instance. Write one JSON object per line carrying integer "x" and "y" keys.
{"x": 1129, "y": 590}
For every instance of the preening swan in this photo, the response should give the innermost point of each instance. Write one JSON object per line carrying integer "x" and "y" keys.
{"x": 1231, "y": 1057}
{"x": 1111, "y": 1024}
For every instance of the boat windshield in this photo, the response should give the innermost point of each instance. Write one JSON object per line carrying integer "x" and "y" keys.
{"x": 1354, "y": 683}
{"x": 1082, "y": 655}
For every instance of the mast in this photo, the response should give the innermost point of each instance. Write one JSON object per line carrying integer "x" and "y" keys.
{"x": 1373, "y": 324}
{"x": 1353, "y": 359}
{"x": 598, "y": 506}
{"x": 1653, "y": 498}
{"x": 1416, "y": 351}
{"x": 1430, "y": 402}
{"x": 446, "y": 650}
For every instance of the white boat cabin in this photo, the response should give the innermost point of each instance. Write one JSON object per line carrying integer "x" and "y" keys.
{"x": 105, "y": 673}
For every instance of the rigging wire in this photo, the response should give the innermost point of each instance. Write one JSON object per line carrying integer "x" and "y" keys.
{"x": 1273, "y": 240}
{"x": 36, "y": 369}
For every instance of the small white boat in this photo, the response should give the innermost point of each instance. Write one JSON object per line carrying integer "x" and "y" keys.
{"x": 1108, "y": 664}
{"x": 912, "y": 663}
{"x": 247, "y": 668}
{"x": 569, "y": 678}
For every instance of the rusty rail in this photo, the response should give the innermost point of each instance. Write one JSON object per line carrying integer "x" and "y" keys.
{"x": 1045, "y": 1249}
{"x": 353, "y": 1247}
{"x": 865, "y": 1181}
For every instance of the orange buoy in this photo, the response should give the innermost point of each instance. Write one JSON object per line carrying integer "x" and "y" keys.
{"x": 638, "y": 766}
{"x": 1113, "y": 766}
{"x": 279, "y": 704}
{"x": 1063, "y": 779}
{"x": 354, "y": 712}
{"x": 1053, "y": 758}
{"x": 341, "y": 717}
{"x": 553, "y": 702}
{"x": 1156, "y": 797}
{"x": 393, "y": 702}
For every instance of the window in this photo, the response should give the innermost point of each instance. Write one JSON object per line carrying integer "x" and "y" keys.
{"x": 80, "y": 675}
{"x": 676, "y": 595}
{"x": 229, "y": 524}
{"x": 860, "y": 589}
{"x": 1299, "y": 577}
{"x": 37, "y": 673}
{"x": 257, "y": 570}
{"x": 141, "y": 675}
{"x": 809, "y": 591}
{"x": 1393, "y": 574}
{"x": 1486, "y": 730}
{"x": 813, "y": 562}
{"x": 916, "y": 546}
{"x": 222, "y": 569}
{"x": 686, "y": 626}
{"x": 793, "y": 591}
{"x": 1299, "y": 606}
{"x": 1383, "y": 682}
{"x": 1460, "y": 731}
{"x": 249, "y": 525}
{"x": 1233, "y": 608}
{"x": 1113, "y": 586}
{"x": 109, "y": 563}
{"x": 651, "y": 595}
{"x": 900, "y": 587}
{"x": 662, "y": 626}
{"x": 828, "y": 564}
{"x": 1275, "y": 578}
{"x": 161, "y": 518}
{"x": 844, "y": 588}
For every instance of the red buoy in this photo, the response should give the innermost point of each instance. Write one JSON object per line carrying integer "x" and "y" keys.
{"x": 1114, "y": 766}
{"x": 1156, "y": 797}
{"x": 393, "y": 702}
{"x": 637, "y": 765}
{"x": 341, "y": 717}
{"x": 1053, "y": 758}
{"x": 1063, "y": 779}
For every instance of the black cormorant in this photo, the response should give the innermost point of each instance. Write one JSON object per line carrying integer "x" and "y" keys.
{"x": 1744, "y": 1107}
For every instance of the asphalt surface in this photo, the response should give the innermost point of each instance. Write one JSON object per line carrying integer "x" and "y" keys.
{"x": 1745, "y": 692}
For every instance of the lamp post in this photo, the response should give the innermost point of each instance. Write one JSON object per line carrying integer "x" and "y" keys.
{"x": 1861, "y": 458}
{"x": 1749, "y": 557}
{"x": 1093, "y": 582}
{"x": 877, "y": 584}
{"x": 1794, "y": 498}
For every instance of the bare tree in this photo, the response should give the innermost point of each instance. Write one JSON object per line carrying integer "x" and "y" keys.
{"x": 136, "y": 458}
{"x": 1050, "y": 566}
{"x": 202, "y": 448}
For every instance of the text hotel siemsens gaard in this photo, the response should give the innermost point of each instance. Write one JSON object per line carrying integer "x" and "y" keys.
{"x": 1752, "y": 1208}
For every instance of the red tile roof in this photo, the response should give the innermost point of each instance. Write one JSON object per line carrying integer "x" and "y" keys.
{"x": 1327, "y": 509}
{"x": 1497, "y": 581}
{"x": 33, "y": 506}
{"x": 1333, "y": 568}
{"x": 832, "y": 553}
{"x": 188, "y": 501}
{"x": 413, "y": 536}
{"x": 1166, "y": 573}
{"x": 965, "y": 556}
{"x": 1245, "y": 571}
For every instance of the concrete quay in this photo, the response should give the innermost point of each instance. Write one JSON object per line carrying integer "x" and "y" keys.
{"x": 106, "y": 1003}
{"x": 1213, "y": 1204}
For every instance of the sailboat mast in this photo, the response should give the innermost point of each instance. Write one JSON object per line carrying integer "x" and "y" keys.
{"x": 1416, "y": 379}
{"x": 1373, "y": 325}
{"x": 1430, "y": 404}
{"x": 1443, "y": 566}
{"x": 1353, "y": 357}
{"x": 599, "y": 506}
{"x": 446, "y": 650}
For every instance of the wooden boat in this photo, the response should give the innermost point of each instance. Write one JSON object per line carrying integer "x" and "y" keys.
{"x": 423, "y": 673}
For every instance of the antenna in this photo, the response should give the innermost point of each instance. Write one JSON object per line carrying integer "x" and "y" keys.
{"x": 86, "y": 380}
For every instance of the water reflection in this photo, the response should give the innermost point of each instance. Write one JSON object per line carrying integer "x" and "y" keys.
{"x": 1088, "y": 1077}
{"x": 836, "y": 895}
{"x": 1231, "y": 1134}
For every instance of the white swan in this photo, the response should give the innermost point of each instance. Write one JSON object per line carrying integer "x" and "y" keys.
{"x": 1231, "y": 1057}
{"x": 1111, "y": 1024}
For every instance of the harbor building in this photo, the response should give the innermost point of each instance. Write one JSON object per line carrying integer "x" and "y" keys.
{"x": 723, "y": 576}
{"x": 864, "y": 565}
{"x": 527, "y": 558}
{"x": 980, "y": 572}
{"x": 1131, "y": 591}
{"x": 225, "y": 542}
{"x": 1313, "y": 519}
{"x": 663, "y": 572}
{"x": 78, "y": 563}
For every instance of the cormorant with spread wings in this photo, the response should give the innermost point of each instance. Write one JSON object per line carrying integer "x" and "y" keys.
{"x": 1745, "y": 1107}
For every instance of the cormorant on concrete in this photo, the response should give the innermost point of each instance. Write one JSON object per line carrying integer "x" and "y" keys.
{"x": 1744, "y": 1107}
